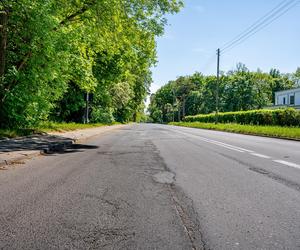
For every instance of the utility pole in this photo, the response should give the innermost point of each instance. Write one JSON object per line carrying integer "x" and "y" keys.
{"x": 174, "y": 100}
{"x": 179, "y": 110}
{"x": 86, "y": 120}
{"x": 218, "y": 83}
{"x": 183, "y": 106}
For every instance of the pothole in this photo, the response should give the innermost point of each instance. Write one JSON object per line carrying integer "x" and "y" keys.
{"x": 164, "y": 177}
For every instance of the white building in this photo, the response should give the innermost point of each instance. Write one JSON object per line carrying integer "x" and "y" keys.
{"x": 289, "y": 98}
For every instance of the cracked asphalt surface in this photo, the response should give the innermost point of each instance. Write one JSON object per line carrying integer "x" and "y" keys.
{"x": 152, "y": 186}
{"x": 116, "y": 194}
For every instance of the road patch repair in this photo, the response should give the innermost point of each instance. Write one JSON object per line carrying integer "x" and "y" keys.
{"x": 164, "y": 177}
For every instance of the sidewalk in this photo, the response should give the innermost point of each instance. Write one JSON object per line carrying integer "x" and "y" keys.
{"x": 15, "y": 151}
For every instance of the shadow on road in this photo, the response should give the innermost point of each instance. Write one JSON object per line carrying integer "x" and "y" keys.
{"x": 48, "y": 144}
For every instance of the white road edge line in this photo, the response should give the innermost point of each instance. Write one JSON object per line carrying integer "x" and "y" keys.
{"x": 229, "y": 145}
{"x": 239, "y": 149}
{"x": 222, "y": 145}
{"x": 261, "y": 156}
{"x": 287, "y": 163}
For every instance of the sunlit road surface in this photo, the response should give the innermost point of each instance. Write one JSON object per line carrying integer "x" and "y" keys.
{"x": 156, "y": 187}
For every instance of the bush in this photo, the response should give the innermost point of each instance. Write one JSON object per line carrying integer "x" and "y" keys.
{"x": 102, "y": 115}
{"x": 281, "y": 117}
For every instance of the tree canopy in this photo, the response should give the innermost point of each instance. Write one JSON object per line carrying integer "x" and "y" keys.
{"x": 239, "y": 89}
{"x": 52, "y": 52}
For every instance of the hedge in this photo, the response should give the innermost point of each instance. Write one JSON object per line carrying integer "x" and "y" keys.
{"x": 280, "y": 117}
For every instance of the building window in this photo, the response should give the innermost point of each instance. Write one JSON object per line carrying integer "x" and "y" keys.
{"x": 283, "y": 101}
{"x": 292, "y": 100}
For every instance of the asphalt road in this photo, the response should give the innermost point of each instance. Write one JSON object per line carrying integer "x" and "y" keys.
{"x": 156, "y": 187}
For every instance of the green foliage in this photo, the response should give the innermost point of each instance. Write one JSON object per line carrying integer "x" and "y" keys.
{"x": 49, "y": 127}
{"x": 102, "y": 115}
{"x": 61, "y": 127}
{"x": 70, "y": 107}
{"x": 58, "y": 50}
{"x": 270, "y": 131}
{"x": 239, "y": 90}
{"x": 281, "y": 117}
{"x": 157, "y": 116}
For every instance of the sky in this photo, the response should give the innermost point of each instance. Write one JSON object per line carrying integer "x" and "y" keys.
{"x": 193, "y": 36}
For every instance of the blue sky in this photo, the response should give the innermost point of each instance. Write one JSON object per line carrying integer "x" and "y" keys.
{"x": 194, "y": 34}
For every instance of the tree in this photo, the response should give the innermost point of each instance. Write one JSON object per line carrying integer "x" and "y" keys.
{"x": 94, "y": 45}
{"x": 279, "y": 82}
{"x": 239, "y": 89}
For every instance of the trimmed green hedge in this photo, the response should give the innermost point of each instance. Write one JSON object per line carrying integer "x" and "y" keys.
{"x": 279, "y": 117}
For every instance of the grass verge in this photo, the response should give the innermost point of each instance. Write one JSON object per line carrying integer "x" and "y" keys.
{"x": 11, "y": 133}
{"x": 270, "y": 131}
{"x": 48, "y": 127}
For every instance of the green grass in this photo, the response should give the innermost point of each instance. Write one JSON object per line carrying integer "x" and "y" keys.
{"x": 11, "y": 133}
{"x": 270, "y": 131}
{"x": 48, "y": 127}
{"x": 61, "y": 127}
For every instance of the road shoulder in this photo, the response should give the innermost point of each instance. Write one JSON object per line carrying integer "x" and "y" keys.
{"x": 16, "y": 151}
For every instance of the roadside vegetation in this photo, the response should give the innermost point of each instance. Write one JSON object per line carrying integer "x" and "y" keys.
{"x": 46, "y": 127}
{"x": 61, "y": 127}
{"x": 54, "y": 52}
{"x": 190, "y": 101}
{"x": 270, "y": 131}
{"x": 280, "y": 117}
{"x": 280, "y": 123}
{"x": 239, "y": 90}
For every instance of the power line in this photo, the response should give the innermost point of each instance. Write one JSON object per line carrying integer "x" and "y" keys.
{"x": 270, "y": 17}
{"x": 256, "y": 31}
{"x": 272, "y": 14}
{"x": 245, "y": 38}
{"x": 254, "y": 24}
{"x": 261, "y": 23}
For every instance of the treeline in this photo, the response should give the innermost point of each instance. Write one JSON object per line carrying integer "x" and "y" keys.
{"x": 52, "y": 52}
{"x": 239, "y": 90}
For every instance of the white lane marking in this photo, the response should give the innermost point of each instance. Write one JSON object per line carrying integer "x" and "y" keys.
{"x": 229, "y": 145}
{"x": 222, "y": 144}
{"x": 290, "y": 164}
{"x": 242, "y": 150}
{"x": 261, "y": 156}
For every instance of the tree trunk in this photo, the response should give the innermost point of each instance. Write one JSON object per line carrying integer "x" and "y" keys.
{"x": 3, "y": 41}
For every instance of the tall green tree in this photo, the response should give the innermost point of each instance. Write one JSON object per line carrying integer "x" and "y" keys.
{"x": 49, "y": 47}
{"x": 239, "y": 89}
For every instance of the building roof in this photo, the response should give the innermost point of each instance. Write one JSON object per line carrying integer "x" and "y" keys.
{"x": 288, "y": 90}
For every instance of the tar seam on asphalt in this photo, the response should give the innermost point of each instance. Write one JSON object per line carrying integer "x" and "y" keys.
{"x": 278, "y": 178}
{"x": 185, "y": 209}
{"x": 271, "y": 175}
